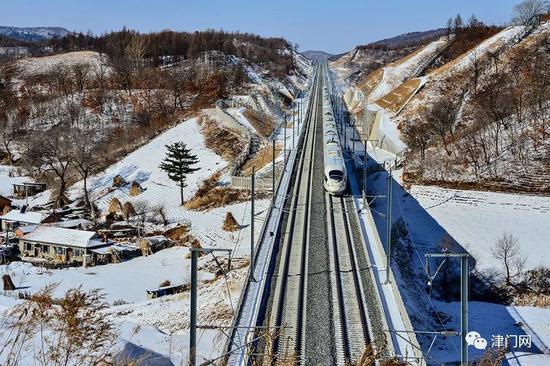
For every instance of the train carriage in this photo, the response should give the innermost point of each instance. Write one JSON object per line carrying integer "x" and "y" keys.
{"x": 335, "y": 174}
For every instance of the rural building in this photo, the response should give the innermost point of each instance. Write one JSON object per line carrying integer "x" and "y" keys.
{"x": 17, "y": 218}
{"x": 24, "y": 230}
{"x": 28, "y": 189}
{"x": 62, "y": 245}
{"x": 4, "y": 202}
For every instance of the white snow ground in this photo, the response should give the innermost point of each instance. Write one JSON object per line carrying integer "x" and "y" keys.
{"x": 476, "y": 219}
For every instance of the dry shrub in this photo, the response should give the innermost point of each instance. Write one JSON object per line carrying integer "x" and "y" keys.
{"x": 263, "y": 125}
{"x": 115, "y": 207}
{"x": 223, "y": 142}
{"x": 208, "y": 184}
{"x": 73, "y": 330}
{"x": 178, "y": 233}
{"x": 261, "y": 159}
{"x": 217, "y": 197}
{"x": 230, "y": 223}
{"x": 538, "y": 300}
{"x": 492, "y": 357}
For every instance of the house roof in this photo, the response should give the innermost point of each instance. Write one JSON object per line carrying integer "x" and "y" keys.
{"x": 4, "y": 198}
{"x": 28, "y": 217}
{"x": 26, "y": 229}
{"x": 61, "y": 236}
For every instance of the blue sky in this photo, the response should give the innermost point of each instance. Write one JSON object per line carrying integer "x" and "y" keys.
{"x": 333, "y": 26}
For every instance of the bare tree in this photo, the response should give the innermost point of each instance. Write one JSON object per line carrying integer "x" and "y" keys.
{"x": 85, "y": 159}
{"x": 508, "y": 251}
{"x": 442, "y": 117}
{"x": 52, "y": 152}
{"x": 418, "y": 136}
{"x": 81, "y": 74}
{"x": 9, "y": 133}
{"x": 527, "y": 9}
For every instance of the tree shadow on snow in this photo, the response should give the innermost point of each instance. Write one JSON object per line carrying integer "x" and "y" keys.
{"x": 415, "y": 233}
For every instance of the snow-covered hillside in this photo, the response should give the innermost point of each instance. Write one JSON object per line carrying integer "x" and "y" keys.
{"x": 33, "y": 66}
{"x": 396, "y": 73}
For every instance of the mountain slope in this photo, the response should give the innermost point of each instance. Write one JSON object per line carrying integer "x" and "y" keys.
{"x": 317, "y": 56}
{"x": 33, "y": 33}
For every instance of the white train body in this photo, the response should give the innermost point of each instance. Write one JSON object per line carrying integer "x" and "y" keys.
{"x": 335, "y": 181}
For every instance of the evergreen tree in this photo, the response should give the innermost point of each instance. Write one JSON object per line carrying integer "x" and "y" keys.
{"x": 178, "y": 163}
{"x": 458, "y": 23}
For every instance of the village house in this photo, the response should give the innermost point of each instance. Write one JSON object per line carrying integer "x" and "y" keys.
{"x": 4, "y": 203}
{"x": 28, "y": 189}
{"x": 16, "y": 218}
{"x": 62, "y": 245}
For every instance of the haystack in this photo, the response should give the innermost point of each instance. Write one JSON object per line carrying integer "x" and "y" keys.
{"x": 118, "y": 181}
{"x": 115, "y": 207}
{"x": 145, "y": 246}
{"x": 6, "y": 210}
{"x": 230, "y": 223}
{"x": 8, "y": 283}
{"x": 128, "y": 210}
{"x": 136, "y": 189}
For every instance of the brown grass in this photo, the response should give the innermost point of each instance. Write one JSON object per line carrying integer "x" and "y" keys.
{"x": 538, "y": 300}
{"x": 264, "y": 126}
{"x": 397, "y": 98}
{"x": 217, "y": 197}
{"x": 371, "y": 81}
{"x": 261, "y": 159}
{"x": 223, "y": 142}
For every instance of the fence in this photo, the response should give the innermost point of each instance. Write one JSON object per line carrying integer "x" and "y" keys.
{"x": 246, "y": 183}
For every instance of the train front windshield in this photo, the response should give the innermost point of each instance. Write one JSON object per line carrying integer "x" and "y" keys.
{"x": 336, "y": 175}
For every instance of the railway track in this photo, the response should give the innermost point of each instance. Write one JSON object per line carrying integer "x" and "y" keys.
{"x": 348, "y": 295}
{"x": 317, "y": 298}
{"x": 289, "y": 296}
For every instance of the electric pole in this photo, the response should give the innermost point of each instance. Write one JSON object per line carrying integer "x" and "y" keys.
{"x": 293, "y": 129}
{"x": 284, "y": 142}
{"x": 365, "y": 168}
{"x": 193, "y": 299}
{"x": 253, "y": 188}
{"x": 193, "y": 312}
{"x": 464, "y": 295}
{"x": 273, "y": 171}
{"x": 389, "y": 227}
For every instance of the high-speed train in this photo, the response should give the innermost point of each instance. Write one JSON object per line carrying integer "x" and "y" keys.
{"x": 334, "y": 165}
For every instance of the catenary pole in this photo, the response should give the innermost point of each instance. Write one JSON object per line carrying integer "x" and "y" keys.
{"x": 464, "y": 286}
{"x": 253, "y": 189}
{"x": 389, "y": 227}
{"x": 193, "y": 313}
{"x": 273, "y": 171}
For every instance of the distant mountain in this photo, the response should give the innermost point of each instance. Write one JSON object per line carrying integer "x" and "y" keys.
{"x": 409, "y": 39}
{"x": 317, "y": 56}
{"x": 33, "y": 34}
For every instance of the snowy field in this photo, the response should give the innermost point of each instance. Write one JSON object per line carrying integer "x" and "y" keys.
{"x": 40, "y": 65}
{"x": 493, "y": 320}
{"x": 125, "y": 281}
{"x": 476, "y": 219}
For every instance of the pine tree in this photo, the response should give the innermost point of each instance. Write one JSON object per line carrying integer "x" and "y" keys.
{"x": 178, "y": 163}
